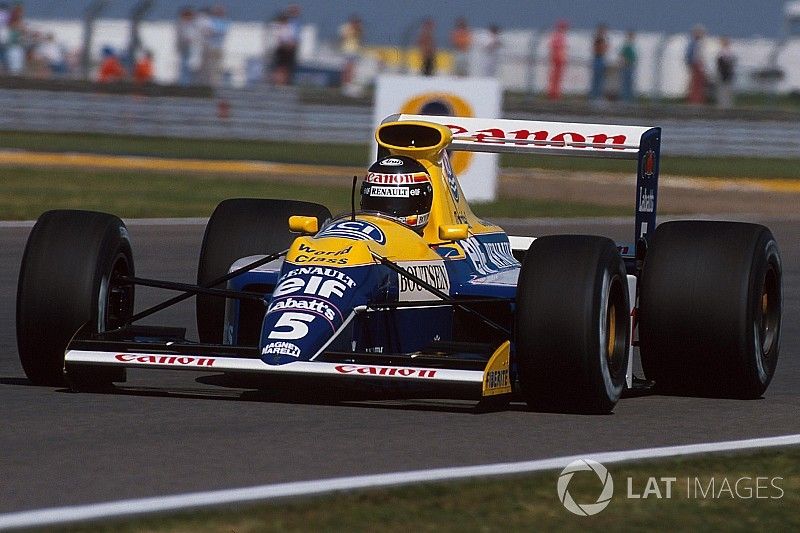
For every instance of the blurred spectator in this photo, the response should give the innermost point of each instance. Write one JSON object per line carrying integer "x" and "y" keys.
{"x": 16, "y": 16}
{"x": 143, "y": 70}
{"x": 5, "y": 36}
{"x": 697, "y": 70}
{"x": 558, "y": 59}
{"x": 461, "y": 41}
{"x": 15, "y": 51}
{"x": 350, "y": 35}
{"x": 111, "y": 69}
{"x": 190, "y": 46}
{"x": 288, "y": 33}
{"x": 427, "y": 47}
{"x": 215, "y": 29}
{"x": 726, "y": 64}
{"x": 599, "y": 50}
{"x": 202, "y": 21}
{"x": 491, "y": 51}
{"x": 52, "y": 56}
{"x": 627, "y": 66}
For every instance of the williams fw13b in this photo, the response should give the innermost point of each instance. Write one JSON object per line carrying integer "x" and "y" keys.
{"x": 413, "y": 288}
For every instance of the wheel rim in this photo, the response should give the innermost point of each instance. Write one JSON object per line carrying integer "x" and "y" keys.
{"x": 615, "y": 327}
{"x": 767, "y": 316}
{"x": 115, "y": 303}
{"x": 611, "y": 320}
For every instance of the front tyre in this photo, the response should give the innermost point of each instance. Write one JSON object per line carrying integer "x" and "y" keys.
{"x": 572, "y": 324}
{"x": 710, "y": 308}
{"x": 241, "y": 227}
{"x": 67, "y": 280}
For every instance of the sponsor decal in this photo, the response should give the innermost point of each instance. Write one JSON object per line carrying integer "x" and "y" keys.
{"x": 392, "y": 162}
{"x": 496, "y": 376}
{"x": 313, "y": 305}
{"x": 649, "y": 164}
{"x": 647, "y": 200}
{"x": 281, "y": 348}
{"x": 500, "y": 254}
{"x": 452, "y": 182}
{"x": 397, "y": 179}
{"x": 488, "y": 257}
{"x": 314, "y": 286}
{"x": 308, "y": 254}
{"x": 385, "y": 371}
{"x": 432, "y": 272}
{"x": 497, "y": 379}
{"x": 414, "y": 220}
{"x": 545, "y": 138}
{"x": 476, "y": 256}
{"x": 172, "y": 360}
{"x": 389, "y": 192}
{"x": 356, "y": 230}
{"x": 321, "y": 271}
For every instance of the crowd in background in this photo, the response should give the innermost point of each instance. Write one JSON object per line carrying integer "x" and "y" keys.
{"x": 200, "y": 37}
{"x": 622, "y": 62}
{"x": 25, "y": 51}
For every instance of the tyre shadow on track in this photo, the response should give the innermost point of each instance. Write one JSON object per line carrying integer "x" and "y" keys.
{"x": 16, "y": 381}
{"x": 301, "y": 391}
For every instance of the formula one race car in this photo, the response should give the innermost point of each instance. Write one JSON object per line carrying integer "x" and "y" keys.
{"x": 414, "y": 288}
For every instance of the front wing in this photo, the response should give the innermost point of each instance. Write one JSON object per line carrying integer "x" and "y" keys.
{"x": 482, "y": 376}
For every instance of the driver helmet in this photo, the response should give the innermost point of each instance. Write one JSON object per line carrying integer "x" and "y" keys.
{"x": 400, "y": 188}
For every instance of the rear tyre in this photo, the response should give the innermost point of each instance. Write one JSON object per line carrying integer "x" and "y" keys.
{"x": 238, "y": 228}
{"x": 710, "y": 308}
{"x": 572, "y": 324}
{"x": 68, "y": 279}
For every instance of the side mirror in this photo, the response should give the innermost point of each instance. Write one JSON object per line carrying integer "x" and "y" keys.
{"x": 453, "y": 232}
{"x": 303, "y": 224}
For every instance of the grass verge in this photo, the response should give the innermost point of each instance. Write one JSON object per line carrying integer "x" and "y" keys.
{"x": 357, "y": 154}
{"x": 26, "y": 192}
{"x": 766, "y": 499}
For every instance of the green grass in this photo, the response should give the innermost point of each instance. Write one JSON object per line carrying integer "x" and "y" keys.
{"x": 357, "y": 155}
{"x": 97, "y": 143}
{"x": 26, "y": 192}
{"x": 526, "y": 503}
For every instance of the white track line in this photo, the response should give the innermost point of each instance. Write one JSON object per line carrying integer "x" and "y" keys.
{"x": 62, "y": 515}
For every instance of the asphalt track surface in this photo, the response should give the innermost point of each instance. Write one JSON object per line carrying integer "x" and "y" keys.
{"x": 175, "y": 432}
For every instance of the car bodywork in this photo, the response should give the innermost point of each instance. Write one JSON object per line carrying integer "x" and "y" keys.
{"x": 366, "y": 297}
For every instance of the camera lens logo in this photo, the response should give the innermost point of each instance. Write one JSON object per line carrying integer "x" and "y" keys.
{"x": 585, "y": 509}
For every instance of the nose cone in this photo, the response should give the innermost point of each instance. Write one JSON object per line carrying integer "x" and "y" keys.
{"x": 310, "y": 308}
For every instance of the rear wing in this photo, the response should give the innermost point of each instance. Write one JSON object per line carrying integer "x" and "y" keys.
{"x": 571, "y": 139}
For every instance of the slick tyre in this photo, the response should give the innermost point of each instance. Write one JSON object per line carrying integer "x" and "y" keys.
{"x": 238, "y": 228}
{"x": 572, "y": 324}
{"x": 67, "y": 280}
{"x": 710, "y": 309}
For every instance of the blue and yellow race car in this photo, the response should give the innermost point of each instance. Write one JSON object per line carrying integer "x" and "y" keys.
{"x": 414, "y": 288}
